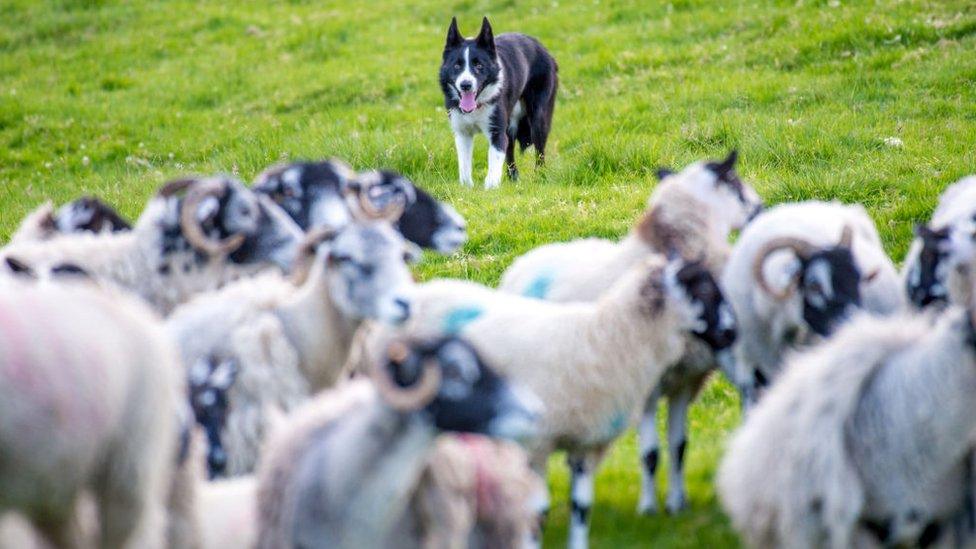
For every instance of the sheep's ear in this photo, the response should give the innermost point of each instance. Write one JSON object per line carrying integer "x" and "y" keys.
{"x": 18, "y": 267}
{"x": 486, "y": 38}
{"x": 454, "y": 37}
{"x": 663, "y": 172}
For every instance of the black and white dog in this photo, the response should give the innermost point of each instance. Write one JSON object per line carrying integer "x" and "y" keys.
{"x": 502, "y": 87}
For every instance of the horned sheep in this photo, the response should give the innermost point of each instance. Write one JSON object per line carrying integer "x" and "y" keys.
{"x": 599, "y": 361}
{"x": 87, "y": 386}
{"x": 344, "y": 471}
{"x": 795, "y": 274}
{"x": 865, "y": 441}
{"x": 180, "y": 246}
{"x": 290, "y": 337}
{"x": 330, "y": 193}
{"x": 690, "y": 213}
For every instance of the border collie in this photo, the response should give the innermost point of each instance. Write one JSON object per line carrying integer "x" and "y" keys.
{"x": 502, "y": 87}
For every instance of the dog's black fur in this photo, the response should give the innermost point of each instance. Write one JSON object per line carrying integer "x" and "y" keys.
{"x": 513, "y": 74}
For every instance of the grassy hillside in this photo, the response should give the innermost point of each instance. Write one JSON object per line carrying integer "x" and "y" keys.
{"x": 113, "y": 98}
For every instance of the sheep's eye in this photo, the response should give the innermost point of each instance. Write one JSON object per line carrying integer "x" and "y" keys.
{"x": 338, "y": 259}
{"x": 288, "y": 192}
{"x": 816, "y": 288}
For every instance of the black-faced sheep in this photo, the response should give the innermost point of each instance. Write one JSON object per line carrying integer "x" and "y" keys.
{"x": 864, "y": 442}
{"x": 691, "y": 213}
{"x": 87, "y": 386}
{"x": 795, "y": 274}
{"x": 318, "y": 194}
{"x": 344, "y": 470}
{"x": 939, "y": 263}
{"x": 288, "y": 338}
{"x": 181, "y": 245}
{"x": 593, "y": 363}
{"x": 85, "y": 214}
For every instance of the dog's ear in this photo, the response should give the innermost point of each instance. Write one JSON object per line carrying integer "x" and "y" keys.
{"x": 454, "y": 37}
{"x": 486, "y": 38}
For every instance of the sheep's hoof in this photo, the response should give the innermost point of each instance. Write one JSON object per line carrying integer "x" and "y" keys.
{"x": 676, "y": 504}
{"x": 647, "y": 508}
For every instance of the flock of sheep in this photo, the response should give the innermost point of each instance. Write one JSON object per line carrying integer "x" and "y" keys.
{"x": 255, "y": 366}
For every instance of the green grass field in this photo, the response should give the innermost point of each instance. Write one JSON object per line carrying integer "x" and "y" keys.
{"x": 113, "y": 98}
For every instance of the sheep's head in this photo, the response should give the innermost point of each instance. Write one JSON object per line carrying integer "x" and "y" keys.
{"x": 927, "y": 277}
{"x": 310, "y": 192}
{"x": 448, "y": 383}
{"x": 717, "y": 185}
{"x": 318, "y": 194}
{"x": 697, "y": 295}
{"x": 425, "y": 221}
{"x": 209, "y": 383}
{"x": 365, "y": 267}
{"x": 221, "y": 218}
{"x": 826, "y": 278}
{"x": 89, "y": 214}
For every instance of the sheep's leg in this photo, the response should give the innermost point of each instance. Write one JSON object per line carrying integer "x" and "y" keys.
{"x": 650, "y": 448}
{"x": 581, "y": 496}
{"x": 540, "y": 500}
{"x": 677, "y": 443}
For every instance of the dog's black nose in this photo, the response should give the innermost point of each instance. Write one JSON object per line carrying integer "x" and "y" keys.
{"x": 466, "y": 86}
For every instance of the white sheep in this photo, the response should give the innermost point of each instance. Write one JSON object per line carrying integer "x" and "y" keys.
{"x": 593, "y": 363}
{"x": 796, "y": 272}
{"x": 180, "y": 245}
{"x": 289, "y": 338}
{"x": 87, "y": 387}
{"x": 865, "y": 441}
{"x": 477, "y": 492}
{"x": 938, "y": 264}
{"x": 691, "y": 213}
{"x": 344, "y": 470}
{"x": 85, "y": 214}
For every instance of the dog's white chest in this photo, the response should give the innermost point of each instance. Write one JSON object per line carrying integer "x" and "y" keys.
{"x": 472, "y": 123}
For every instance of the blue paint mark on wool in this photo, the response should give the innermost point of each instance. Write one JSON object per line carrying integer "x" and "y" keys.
{"x": 458, "y": 318}
{"x": 617, "y": 424}
{"x": 539, "y": 287}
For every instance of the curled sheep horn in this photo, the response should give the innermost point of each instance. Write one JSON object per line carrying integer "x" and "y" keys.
{"x": 415, "y": 396}
{"x": 846, "y": 237}
{"x": 359, "y": 190}
{"x": 306, "y": 251}
{"x": 800, "y": 247}
{"x": 192, "y": 229}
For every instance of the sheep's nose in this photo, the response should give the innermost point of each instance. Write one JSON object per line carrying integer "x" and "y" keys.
{"x": 466, "y": 85}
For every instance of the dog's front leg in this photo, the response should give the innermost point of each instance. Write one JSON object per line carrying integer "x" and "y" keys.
{"x": 497, "y": 143}
{"x": 465, "y": 147}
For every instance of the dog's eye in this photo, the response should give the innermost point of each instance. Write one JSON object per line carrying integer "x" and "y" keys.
{"x": 478, "y": 67}
{"x": 457, "y": 66}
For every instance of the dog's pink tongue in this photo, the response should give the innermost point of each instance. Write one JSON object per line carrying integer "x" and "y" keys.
{"x": 468, "y": 103}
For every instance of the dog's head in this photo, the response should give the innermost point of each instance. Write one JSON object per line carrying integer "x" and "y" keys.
{"x": 470, "y": 72}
